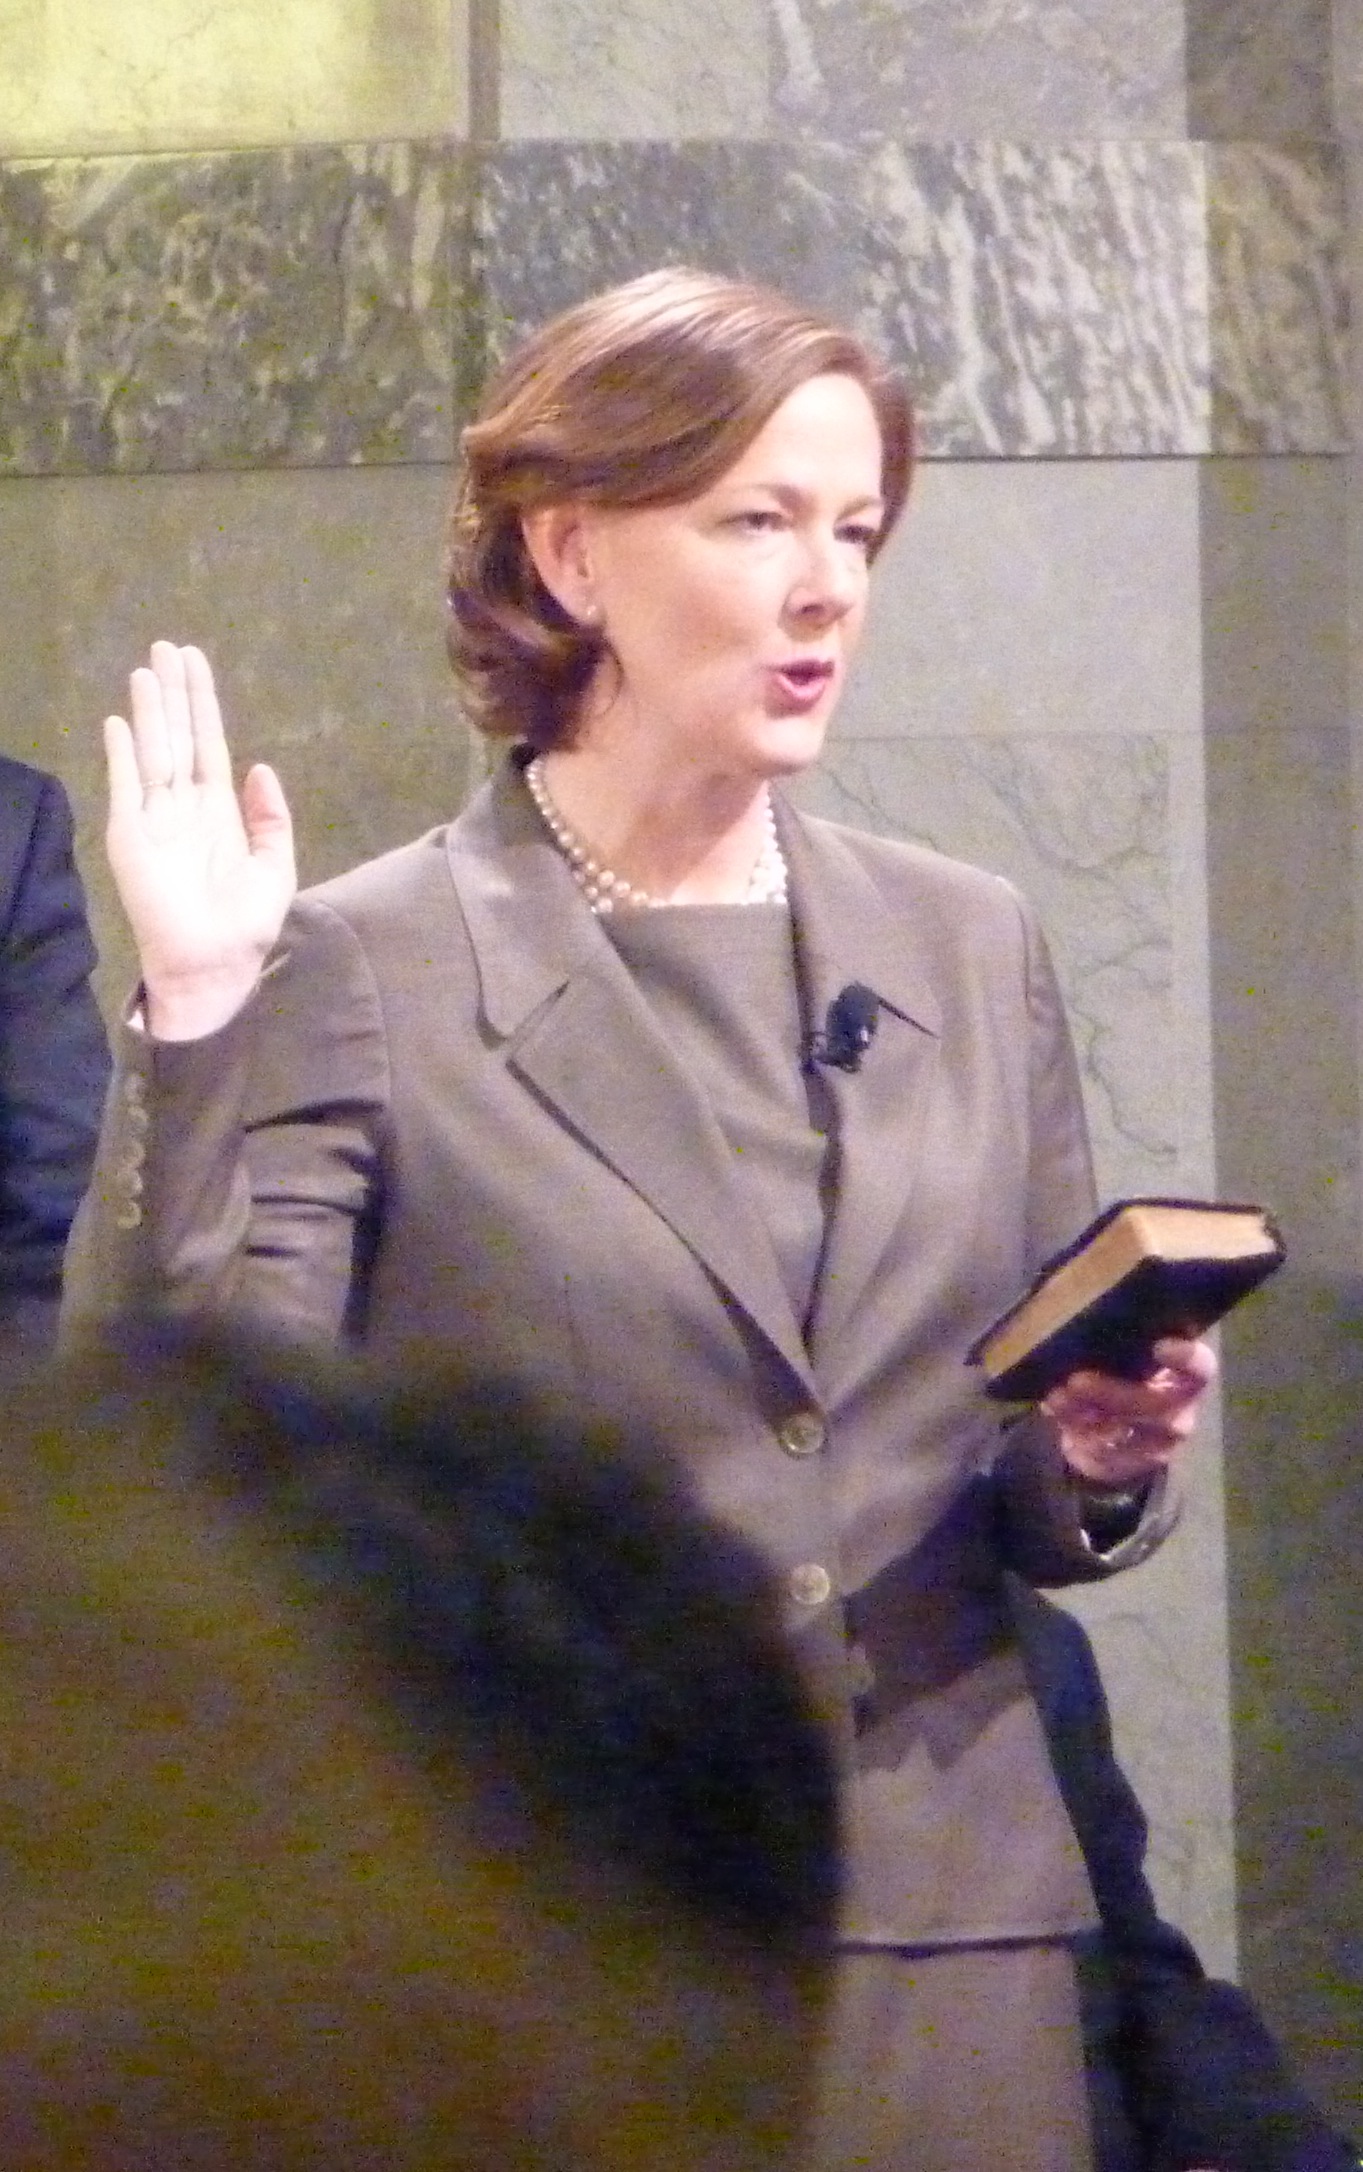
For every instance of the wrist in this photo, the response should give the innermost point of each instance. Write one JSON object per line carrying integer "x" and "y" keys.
{"x": 188, "y": 1010}
{"x": 1108, "y": 1511}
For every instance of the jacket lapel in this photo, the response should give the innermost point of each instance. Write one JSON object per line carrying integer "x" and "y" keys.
{"x": 846, "y": 932}
{"x": 578, "y": 1031}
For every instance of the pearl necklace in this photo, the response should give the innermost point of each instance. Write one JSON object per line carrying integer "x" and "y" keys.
{"x": 604, "y": 889}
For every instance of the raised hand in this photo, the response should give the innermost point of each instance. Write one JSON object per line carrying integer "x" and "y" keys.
{"x": 205, "y": 878}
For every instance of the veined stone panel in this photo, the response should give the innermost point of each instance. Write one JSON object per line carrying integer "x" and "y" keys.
{"x": 952, "y": 69}
{"x": 1043, "y": 302}
{"x": 1050, "y": 299}
{"x": 1046, "y": 301}
{"x": 633, "y": 68}
{"x": 1279, "y": 297}
{"x": 317, "y": 306}
{"x": 113, "y": 75}
{"x": 1082, "y": 826}
{"x": 237, "y": 309}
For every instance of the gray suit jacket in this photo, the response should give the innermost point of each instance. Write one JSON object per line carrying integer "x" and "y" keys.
{"x": 448, "y": 1116}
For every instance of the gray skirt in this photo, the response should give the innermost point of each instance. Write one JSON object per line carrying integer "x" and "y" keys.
{"x": 965, "y": 2059}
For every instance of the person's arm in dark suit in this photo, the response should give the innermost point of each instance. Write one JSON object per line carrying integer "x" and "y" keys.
{"x": 54, "y": 1058}
{"x": 1183, "y": 2070}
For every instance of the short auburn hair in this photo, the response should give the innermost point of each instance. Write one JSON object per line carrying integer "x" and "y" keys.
{"x": 644, "y": 395}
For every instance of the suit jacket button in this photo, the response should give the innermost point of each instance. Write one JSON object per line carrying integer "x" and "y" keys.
{"x": 803, "y": 1433}
{"x": 810, "y": 1584}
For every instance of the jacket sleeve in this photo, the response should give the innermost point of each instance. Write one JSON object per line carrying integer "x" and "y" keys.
{"x": 239, "y": 1174}
{"x": 54, "y": 1067}
{"x": 1182, "y": 2061}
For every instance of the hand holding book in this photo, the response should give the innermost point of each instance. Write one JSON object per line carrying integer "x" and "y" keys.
{"x": 1104, "y": 1338}
{"x": 1118, "y": 1433}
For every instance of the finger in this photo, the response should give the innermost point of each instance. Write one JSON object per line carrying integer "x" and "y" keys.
{"x": 1116, "y": 1453}
{"x": 1195, "y": 1360}
{"x": 168, "y": 663}
{"x": 269, "y": 825}
{"x": 150, "y": 737}
{"x": 1090, "y": 1398}
{"x": 1115, "y": 1465}
{"x": 125, "y": 781}
{"x": 211, "y": 761}
{"x": 1093, "y": 1396}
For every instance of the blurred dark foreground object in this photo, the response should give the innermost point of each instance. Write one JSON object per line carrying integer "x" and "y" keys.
{"x": 1182, "y": 2069}
{"x": 390, "y": 1779}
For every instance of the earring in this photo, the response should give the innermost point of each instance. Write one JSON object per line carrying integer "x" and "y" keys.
{"x": 589, "y": 616}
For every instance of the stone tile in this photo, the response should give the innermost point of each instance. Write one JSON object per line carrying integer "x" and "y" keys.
{"x": 1281, "y": 842}
{"x": 1161, "y": 1638}
{"x": 1295, "y": 1508}
{"x": 626, "y": 69}
{"x": 962, "y": 69}
{"x": 1278, "y": 298}
{"x": 1347, "y": 69}
{"x": 82, "y": 76}
{"x": 1044, "y": 301}
{"x": 318, "y": 597}
{"x": 1037, "y": 598}
{"x": 559, "y": 221}
{"x": 1048, "y": 300}
{"x": 1109, "y": 299}
{"x": 1281, "y": 872}
{"x": 311, "y": 306}
{"x": 1275, "y": 543}
{"x": 1259, "y": 68}
{"x": 1081, "y": 825}
{"x": 1161, "y": 1631}
{"x": 230, "y": 310}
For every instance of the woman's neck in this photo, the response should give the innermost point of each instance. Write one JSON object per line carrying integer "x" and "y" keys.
{"x": 686, "y": 837}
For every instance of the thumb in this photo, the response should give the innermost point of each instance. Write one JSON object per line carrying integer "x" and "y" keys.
{"x": 265, "y": 811}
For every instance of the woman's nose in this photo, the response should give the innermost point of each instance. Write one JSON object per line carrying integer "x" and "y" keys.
{"x": 828, "y": 583}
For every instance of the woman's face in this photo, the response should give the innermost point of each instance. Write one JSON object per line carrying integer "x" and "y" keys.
{"x": 732, "y": 618}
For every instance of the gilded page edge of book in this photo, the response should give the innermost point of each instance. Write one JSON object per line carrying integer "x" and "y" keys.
{"x": 1112, "y": 1241}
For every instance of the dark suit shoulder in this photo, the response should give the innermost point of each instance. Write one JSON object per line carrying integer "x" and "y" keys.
{"x": 20, "y": 784}
{"x": 31, "y": 803}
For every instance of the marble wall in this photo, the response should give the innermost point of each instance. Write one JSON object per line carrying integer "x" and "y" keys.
{"x": 254, "y": 265}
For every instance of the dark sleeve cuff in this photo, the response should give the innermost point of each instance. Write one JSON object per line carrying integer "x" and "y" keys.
{"x": 1109, "y": 1514}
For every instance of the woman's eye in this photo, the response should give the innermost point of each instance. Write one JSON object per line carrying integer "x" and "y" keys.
{"x": 758, "y": 519}
{"x": 863, "y": 535}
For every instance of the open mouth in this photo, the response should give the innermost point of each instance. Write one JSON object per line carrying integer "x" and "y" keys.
{"x": 805, "y": 677}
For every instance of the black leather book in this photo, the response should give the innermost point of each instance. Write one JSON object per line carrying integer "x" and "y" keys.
{"x": 1143, "y": 1269}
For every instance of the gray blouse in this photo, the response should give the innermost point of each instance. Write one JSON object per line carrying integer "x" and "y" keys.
{"x": 721, "y": 982}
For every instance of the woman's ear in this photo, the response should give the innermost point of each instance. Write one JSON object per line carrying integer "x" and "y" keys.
{"x": 556, "y": 538}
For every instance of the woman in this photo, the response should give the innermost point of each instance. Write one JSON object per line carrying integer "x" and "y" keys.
{"x": 575, "y": 1082}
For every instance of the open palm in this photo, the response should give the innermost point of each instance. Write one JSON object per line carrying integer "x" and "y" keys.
{"x": 205, "y": 878}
